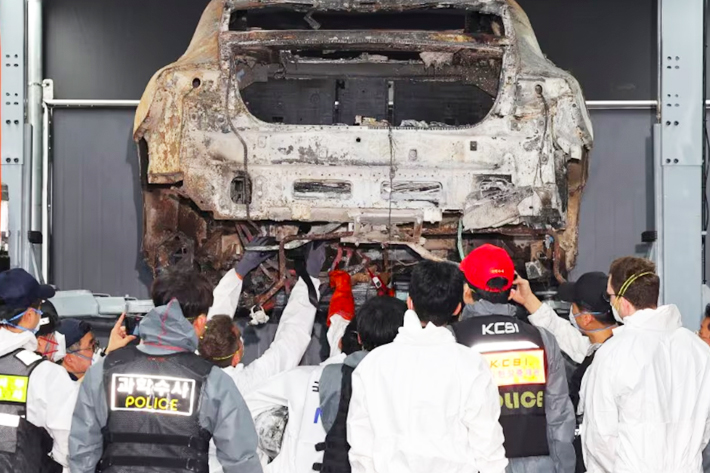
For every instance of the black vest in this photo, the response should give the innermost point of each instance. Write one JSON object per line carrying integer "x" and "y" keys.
{"x": 25, "y": 447}
{"x": 335, "y": 457}
{"x": 153, "y": 403}
{"x": 575, "y": 385}
{"x": 516, "y": 355}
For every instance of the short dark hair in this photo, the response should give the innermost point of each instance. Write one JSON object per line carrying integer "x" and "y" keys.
{"x": 220, "y": 342}
{"x": 436, "y": 290}
{"x": 349, "y": 342}
{"x": 642, "y": 292}
{"x": 190, "y": 287}
{"x": 707, "y": 311}
{"x": 494, "y": 297}
{"x": 379, "y": 320}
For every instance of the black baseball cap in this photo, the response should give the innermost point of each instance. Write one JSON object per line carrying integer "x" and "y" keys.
{"x": 19, "y": 289}
{"x": 589, "y": 292}
{"x": 73, "y": 330}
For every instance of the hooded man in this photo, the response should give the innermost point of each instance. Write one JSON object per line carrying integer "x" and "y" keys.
{"x": 158, "y": 405}
{"x": 536, "y": 413}
{"x": 645, "y": 398}
{"x": 37, "y": 395}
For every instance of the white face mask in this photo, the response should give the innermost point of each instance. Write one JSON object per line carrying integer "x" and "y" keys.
{"x": 61, "y": 347}
{"x": 56, "y": 347}
{"x": 617, "y": 315}
{"x": 572, "y": 318}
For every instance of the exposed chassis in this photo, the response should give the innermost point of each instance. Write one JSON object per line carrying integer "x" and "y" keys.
{"x": 210, "y": 166}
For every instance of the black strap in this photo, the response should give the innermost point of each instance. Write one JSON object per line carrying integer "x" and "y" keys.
{"x": 155, "y": 462}
{"x": 299, "y": 264}
{"x": 196, "y": 443}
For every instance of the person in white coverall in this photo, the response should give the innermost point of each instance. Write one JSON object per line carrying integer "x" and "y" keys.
{"x": 645, "y": 397}
{"x": 424, "y": 403}
{"x": 295, "y": 326}
{"x": 50, "y": 394}
{"x": 199, "y": 303}
{"x": 301, "y": 390}
{"x": 297, "y": 390}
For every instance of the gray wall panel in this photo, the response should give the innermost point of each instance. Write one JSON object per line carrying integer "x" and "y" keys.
{"x": 98, "y": 216}
{"x": 109, "y": 49}
{"x": 97, "y": 220}
{"x": 617, "y": 205}
{"x": 608, "y": 45}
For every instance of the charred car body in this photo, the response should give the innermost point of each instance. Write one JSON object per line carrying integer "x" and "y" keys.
{"x": 386, "y": 123}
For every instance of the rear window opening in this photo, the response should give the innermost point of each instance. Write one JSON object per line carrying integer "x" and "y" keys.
{"x": 428, "y": 19}
{"x": 367, "y": 102}
{"x": 397, "y": 89}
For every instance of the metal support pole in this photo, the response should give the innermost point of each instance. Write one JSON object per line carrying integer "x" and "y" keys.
{"x": 13, "y": 154}
{"x": 682, "y": 111}
{"x": 46, "y": 199}
{"x": 34, "y": 118}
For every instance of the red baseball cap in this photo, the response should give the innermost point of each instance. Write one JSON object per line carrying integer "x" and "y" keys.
{"x": 485, "y": 263}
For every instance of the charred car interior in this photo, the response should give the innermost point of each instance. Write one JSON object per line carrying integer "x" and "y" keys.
{"x": 393, "y": 129}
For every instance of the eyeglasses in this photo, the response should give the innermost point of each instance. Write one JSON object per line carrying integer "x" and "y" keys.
{"x": 93, "y": 347}
{"x": 607, "y": 297}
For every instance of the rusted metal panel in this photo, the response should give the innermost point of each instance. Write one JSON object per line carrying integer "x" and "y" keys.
{"x": 520, "y": 169}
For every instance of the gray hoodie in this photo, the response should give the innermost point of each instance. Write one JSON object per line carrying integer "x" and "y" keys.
{"x": 222, "y": 409}
{"x": 558, "y": 407}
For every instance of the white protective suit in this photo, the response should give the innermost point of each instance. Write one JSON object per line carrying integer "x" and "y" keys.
{"x": 645, "y": 398}
{"x": 285, "y": 352}
{"x": 51, "y": 397}
{"x": 424, "y": 403}
{"x": 571, "y": 341}
{"x": 296, "y": 389}
{"x": 290, "y": 342}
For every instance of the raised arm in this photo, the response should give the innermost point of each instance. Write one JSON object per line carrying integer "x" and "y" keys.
{"x": 293, "y": 335}
{"x": 226, "y": 294}
{"x": 570, "y": 340}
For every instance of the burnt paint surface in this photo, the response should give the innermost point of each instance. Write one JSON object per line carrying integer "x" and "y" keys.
{"x": 200, "y": 134}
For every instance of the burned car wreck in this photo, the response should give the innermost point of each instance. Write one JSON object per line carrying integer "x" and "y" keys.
{"x": 398, "y": 129}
